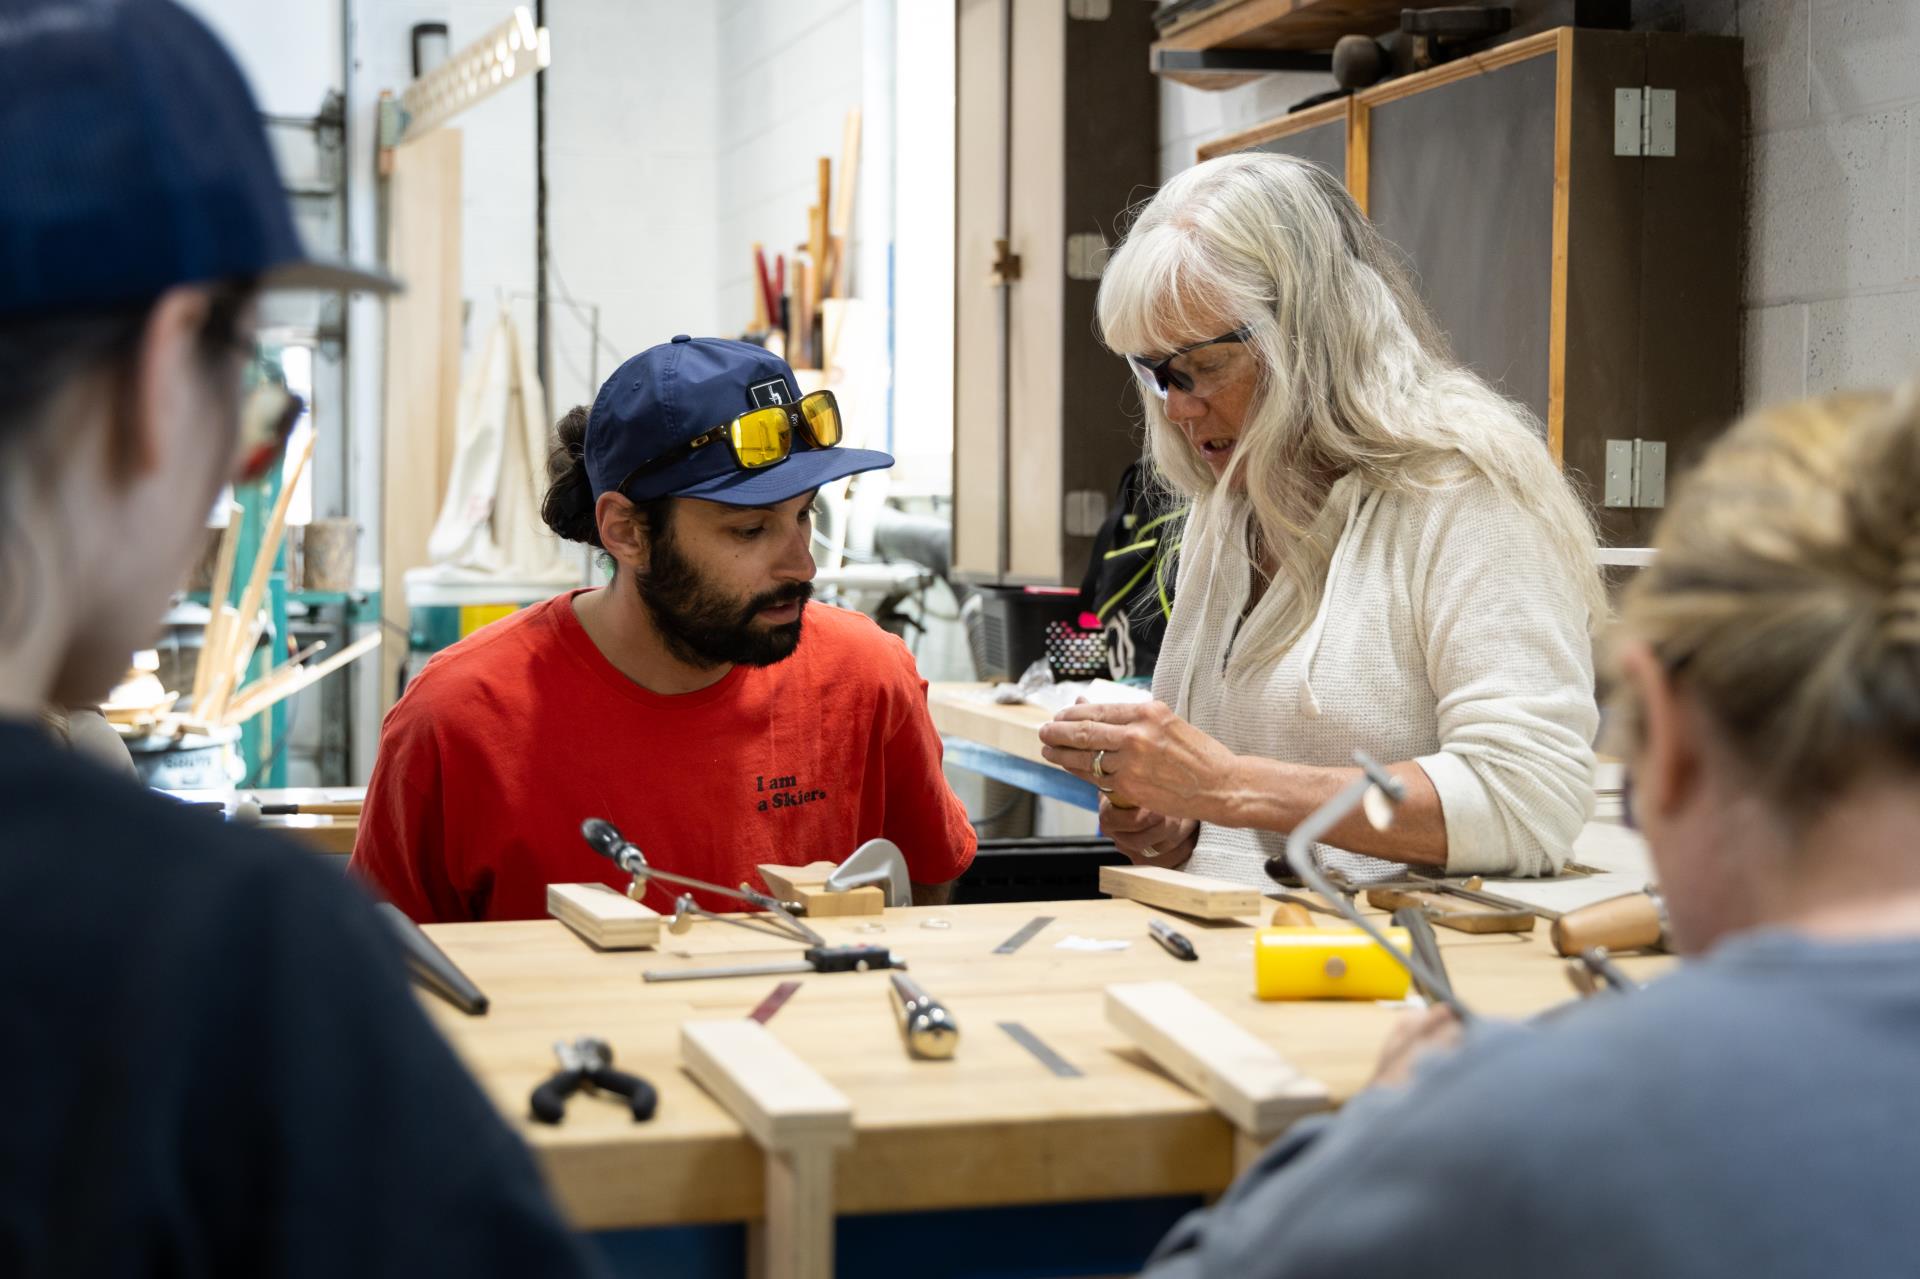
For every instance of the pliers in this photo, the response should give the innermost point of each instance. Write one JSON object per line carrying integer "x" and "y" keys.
{"x": 587, "y": 1063}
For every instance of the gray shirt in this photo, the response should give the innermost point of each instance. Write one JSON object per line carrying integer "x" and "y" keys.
{"x": 1754, "y": 1114}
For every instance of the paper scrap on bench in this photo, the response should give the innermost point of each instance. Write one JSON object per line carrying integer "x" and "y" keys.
{"x": 1077, "y": 942}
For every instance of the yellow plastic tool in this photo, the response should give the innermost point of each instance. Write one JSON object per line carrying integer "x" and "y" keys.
{"x": 1328, "y": 963}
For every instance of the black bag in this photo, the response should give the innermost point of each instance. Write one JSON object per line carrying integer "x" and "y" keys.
{"x": 1129, "y": 583}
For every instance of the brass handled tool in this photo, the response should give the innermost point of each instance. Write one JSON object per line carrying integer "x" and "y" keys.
{"x": 930, "y": 1030}
{"x": 1637, "y": 921}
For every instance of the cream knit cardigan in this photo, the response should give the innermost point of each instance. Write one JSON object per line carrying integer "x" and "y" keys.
{"x": 1448, "y": 634}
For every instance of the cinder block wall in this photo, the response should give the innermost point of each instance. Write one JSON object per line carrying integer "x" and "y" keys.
{"x": 1833, "y": 235}
{"x": 1833, "y": 199}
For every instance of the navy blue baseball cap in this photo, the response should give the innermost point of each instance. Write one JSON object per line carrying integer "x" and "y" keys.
{"x": 663, "y": 397}
{"x": 132, "y": 160}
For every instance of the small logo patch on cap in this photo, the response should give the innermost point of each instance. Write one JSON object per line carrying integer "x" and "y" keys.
{"x": 768, "y": 393}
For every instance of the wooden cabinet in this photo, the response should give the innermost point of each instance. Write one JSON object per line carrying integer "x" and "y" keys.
{"x": 1057, "y": 133}
{"x": 1591, "y": 280}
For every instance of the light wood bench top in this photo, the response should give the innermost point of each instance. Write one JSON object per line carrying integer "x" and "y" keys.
{"x": 992, "y": 1126}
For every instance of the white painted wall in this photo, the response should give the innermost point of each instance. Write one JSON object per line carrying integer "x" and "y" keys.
{"x": 631, "y": 178}
{"x": 1833, "y": 199}
{"x": 792, "y": 71}
{"x": 923, "y": 247}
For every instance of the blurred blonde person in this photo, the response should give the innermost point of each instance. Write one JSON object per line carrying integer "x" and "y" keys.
{"x": 1753, "y": 1113}
{"x": 1381, "y": 555}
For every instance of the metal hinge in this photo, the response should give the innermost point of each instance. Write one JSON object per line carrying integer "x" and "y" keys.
{"x": 1006, "y": 265}
{"x": 1644, "y": 121}
{"x": 1636, "y": 473}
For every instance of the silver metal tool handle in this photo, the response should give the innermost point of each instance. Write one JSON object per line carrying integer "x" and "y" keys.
{"x": 930, "y": 1030}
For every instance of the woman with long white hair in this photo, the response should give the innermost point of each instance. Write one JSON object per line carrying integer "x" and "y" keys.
{"x": 1381, "y": 555}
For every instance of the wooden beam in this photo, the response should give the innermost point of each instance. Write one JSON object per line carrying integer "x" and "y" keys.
{"x": 606, "y": 919}
{"x": 797, "y": 1118}
{"x": 1359, "y": 151}
{"x": 1466, "y": 68}
{"x": 1176, "y": 890}
{"x": 1284, "y": 126}
{"x": 779, "y": 1099}
{"x": 1562, "y": 223}
{"x": 423, "y": 369}
{"x": 1240, "y": 1075}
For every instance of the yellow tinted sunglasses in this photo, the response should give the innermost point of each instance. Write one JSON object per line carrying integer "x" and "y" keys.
{"x": 760, "y": 437}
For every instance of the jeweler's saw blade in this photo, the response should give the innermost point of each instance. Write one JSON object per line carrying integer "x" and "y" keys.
{"x": 774, "y": 1002}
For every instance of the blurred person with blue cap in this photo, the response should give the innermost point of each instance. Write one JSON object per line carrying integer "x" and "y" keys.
{"x": 223, "y": 1068}
{"x": 698, "y": 701}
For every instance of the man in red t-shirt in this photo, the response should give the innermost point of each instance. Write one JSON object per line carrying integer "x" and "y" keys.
{"x": 698, "y": 702}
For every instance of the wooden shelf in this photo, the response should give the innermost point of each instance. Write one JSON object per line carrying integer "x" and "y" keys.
{"x": 1279, "y": 24}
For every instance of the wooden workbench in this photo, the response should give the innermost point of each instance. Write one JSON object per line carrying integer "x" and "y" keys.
{"x": 992, "y": 1127}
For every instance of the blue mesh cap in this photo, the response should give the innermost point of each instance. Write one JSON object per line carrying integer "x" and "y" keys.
{"x": 133, "y": 159}
{"x": 665, "y": 396}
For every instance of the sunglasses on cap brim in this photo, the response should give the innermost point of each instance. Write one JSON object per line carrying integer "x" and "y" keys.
{"x": 761, "y": 437}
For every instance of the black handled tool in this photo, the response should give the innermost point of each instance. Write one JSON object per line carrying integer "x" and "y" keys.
{"x": 588, "y": 1063}
{"x": 816, "y": 959}
{"x": 429, "y": 965}
{"x": 1175, "y": 942}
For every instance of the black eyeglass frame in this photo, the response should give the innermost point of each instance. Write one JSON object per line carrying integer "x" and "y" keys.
{"x": 796, "y": 424}
{"x": 1164, "y": 374}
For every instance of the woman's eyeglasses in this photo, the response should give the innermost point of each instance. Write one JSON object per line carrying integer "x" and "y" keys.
{"x": 1200, "y": 377}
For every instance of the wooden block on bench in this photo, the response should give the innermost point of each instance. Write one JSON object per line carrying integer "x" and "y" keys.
{"x": 808, "y": 886}
{"x": 607, "y": 919}
{"x": 1176, "y": 890}
{"x": 1241, "y": 1076}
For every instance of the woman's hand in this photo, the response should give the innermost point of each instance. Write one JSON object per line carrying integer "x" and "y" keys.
{"x": 1147, "y": 837}
{"x": 1153, "y": 759}
{"x": 1416, "y": 1035}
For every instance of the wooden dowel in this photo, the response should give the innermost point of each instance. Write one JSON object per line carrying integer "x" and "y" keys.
{"x": 216, "y": 599}
{"x": 843, "y": 202}
{"x": 269, "y": 551}
{"x": 306, "y": 677}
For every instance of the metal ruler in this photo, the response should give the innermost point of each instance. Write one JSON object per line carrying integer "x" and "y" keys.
{"x": 1025, "y": 935}
{"x": 1034, "y": 1044}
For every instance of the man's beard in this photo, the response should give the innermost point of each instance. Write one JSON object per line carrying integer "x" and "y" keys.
{"x": 705, "y": 628}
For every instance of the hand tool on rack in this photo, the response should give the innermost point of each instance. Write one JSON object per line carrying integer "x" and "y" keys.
{"x": 930, "y": 1031}
{"x": 819, "y": 957}
{"x": 1637, "y": 921}
{"x": 587, "y": 1063}
{"x": 429, "y": 966}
